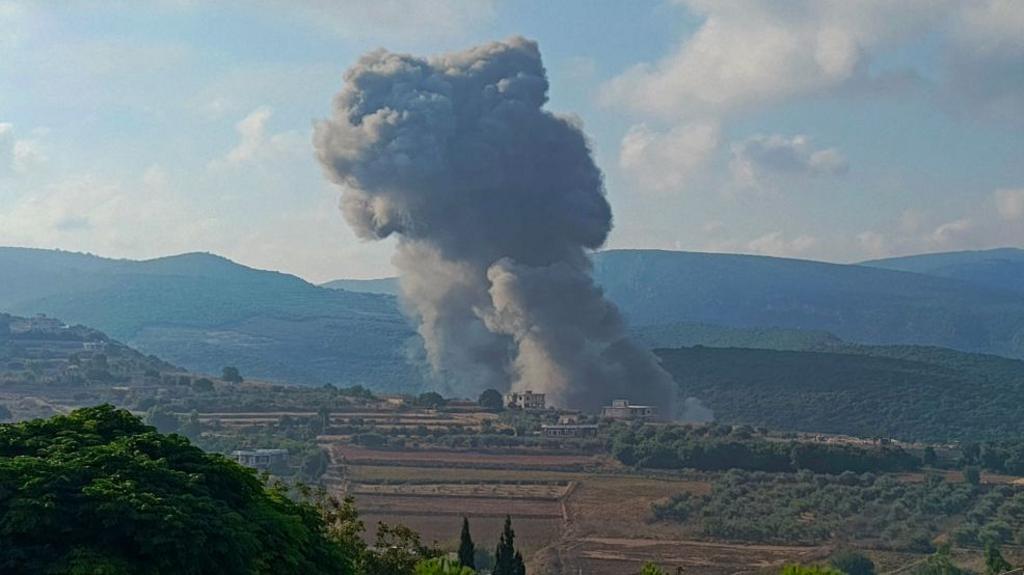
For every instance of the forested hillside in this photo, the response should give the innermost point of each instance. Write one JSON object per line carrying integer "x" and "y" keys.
{"x": 856, "y": 303}
{"x": 203, "y": 312}
{"x": 908, "y": 392}
{"x": 42, "y": 351}
{"x": 684, "y": 298}
{"x": 1001, "y": 268}
{"x": 99, "y": 492}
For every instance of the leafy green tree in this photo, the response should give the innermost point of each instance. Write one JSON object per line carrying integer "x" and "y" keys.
{"x": 371, "y": 440}
{"x": 995, "y": 563}
{"x": 940, "y": 563}
{"x": 972, "y": 475}
{"x": 467, "y": 550}
{"x": 203, "y": 385}
{"x": 314, "y": 466}
{"x": 397, "y": 551}
{"x": 441, "y": 566}
{"x": 162, "y": 419}
{"x": 191, "y": 427}
{"x": 507, "y": 560}
{"x": 651, "y": 569}
{"x": 231, "y": 374}
{"x": 431, "y": 399}
{"x": 852, "y": 563}
{"x": 930, "y": 458}
{"x": 491, "y": 399}
{"x": 98, "y": 491}
{"x": 5, "y": 413}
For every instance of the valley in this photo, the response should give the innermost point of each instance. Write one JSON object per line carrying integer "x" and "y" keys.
{"x": 803, "y": 413}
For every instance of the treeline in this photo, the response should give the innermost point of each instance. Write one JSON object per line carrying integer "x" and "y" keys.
{"x": 719, "y": 448}
{"x": 868, "y": 510}
{"x": 995, "y": 456}
{"x": 904, "y": 392}
{"x": 452, "y": 438}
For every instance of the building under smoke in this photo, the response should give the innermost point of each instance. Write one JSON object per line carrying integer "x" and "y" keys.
{"x": 495, "y": 203}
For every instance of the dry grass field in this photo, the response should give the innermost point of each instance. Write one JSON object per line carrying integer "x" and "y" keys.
{"x": 573, "y": 512}
{"x": 570, "y": 512}
{"x": 616, "y": 556}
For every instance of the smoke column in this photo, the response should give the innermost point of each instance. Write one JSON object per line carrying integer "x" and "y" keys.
{"x": 495, "y": 203}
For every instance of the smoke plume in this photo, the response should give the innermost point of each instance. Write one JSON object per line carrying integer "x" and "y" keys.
{"x": 495, "y": 203}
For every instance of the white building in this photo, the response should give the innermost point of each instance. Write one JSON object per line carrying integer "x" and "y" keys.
{"x": 260, "y": 458}
{"x": 622, "y": 409}
{"x": 525, "y": 400}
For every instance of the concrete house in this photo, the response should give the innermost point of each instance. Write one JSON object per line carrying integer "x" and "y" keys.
{"x": 525, "y": 400}
{"x": 260, "y": 458}
{"x": 622, "y": 409}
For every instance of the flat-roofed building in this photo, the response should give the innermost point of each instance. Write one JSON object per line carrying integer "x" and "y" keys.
{"x": 525, "y": 400}
{"x": 622, "y": 409}
{"x": 260, "y": 458}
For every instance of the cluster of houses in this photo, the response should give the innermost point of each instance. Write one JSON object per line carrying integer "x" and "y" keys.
{"x": 569, "y": 425}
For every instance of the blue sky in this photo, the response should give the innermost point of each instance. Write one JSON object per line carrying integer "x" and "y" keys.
{"x": 818, "y": 129}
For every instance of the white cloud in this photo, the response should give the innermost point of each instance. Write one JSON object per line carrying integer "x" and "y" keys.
{"x": 19, "y": 155}
{"x": 753, "y": 52}
{"x": 996, "y": 222}
{"x": 139, "y": 219}
{"x": 1010, "y": 204}
{"x": 256, "y": 145}
{"x": 27, "y": 154}
{"x": 986, "y": 58}
{"x": 760, "y": 157}
{"x": 13, "y": 22}
{"x": 665, "y": 161}
{"x": 991, "y": 26}
{"x": 777, "y": 244}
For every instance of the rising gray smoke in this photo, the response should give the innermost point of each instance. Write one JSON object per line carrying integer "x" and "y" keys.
{"x": 495, "y": 203}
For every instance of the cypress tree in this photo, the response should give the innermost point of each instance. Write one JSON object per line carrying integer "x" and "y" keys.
{"x": 994, "y": 561}
{"x": 518, "y": 566}
{"x": 508, "y": 561}
{"x": 467, "y": 551}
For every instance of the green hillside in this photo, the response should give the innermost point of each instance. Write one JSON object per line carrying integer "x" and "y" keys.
{"x": 856, "y": 303}
{"x": 905, "y": 392}
{"x": 203, "y": 312}
{"x": 669, "y": 295}
{"x": 688, "y": 334}
{"x": 97, "y": 491}
{"x": 42, "y": 351}
{"x": 1001, "y": 268}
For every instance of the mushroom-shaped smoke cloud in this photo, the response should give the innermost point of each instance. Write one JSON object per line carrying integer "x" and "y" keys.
{"x": 495, "y": 202}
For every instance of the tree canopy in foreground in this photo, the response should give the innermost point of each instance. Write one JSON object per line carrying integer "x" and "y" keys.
{"x": 98, "y": 491}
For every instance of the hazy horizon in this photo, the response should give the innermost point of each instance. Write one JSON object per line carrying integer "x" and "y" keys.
{"x": 841, "y": 133}
{"x": 342, "y": 276}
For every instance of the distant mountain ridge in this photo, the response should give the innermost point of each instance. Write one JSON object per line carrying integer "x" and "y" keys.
{"x": 388, "y": 286}
{"x": 867, "y": 303}
{"x": 1001, "y": 268}
{"x": 203, "y": 311}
